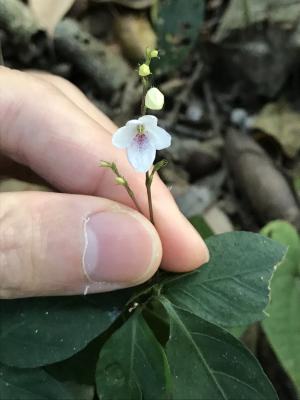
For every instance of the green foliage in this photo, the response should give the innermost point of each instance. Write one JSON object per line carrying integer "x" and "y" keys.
{"x": 177, "y": 24}
{"x": 132, "y": 364}
{"x": 232, "y": 288}
{"x": 201, "y": 226}
{"x": 160, "y": 340}
{"x": 30, "y": 384}
{"x": 218, "y": 366}
{"x": 283, "y": 325}
{"x": 46, "y": 330}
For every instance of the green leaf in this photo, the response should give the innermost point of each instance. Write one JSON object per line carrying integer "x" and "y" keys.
{"x": 208, "y": 363}
{"x": 177, "y": 24}
{"x": 201, "y": 226}
{"x": 132, "y": 364}
{"x": 283, "y": 325}
{"x": 232, "y": 289}
{"x": 35, "y": 332}
{"x": 30, "y": 384}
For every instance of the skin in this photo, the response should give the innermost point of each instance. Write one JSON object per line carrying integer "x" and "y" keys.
{"x": 48, "y": 125}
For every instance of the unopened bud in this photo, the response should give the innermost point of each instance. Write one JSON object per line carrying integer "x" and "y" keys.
{"x": 105, "y": 164}
{"x": 144, "y": 70}
{"x": 154, "y": 99}
{"x": 120, "y": 181}
{"x": 159, "y": 165}
{"x": 154, "y": 53}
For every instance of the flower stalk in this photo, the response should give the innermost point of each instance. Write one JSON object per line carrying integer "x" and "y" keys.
{"x": 145, "y": 84}
{"x": 142, "y": 137}
{"x": 149, "y": 195}
{"x": 120, "y": 180}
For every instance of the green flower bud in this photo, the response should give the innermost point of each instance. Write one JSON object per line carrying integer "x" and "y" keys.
{"x": 154, "y": 53}
{"x": 144, "y": 70}
{"x": 105, "y": 164}
{"x": 120, "y": 181}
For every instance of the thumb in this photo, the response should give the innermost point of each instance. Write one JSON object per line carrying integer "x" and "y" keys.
{"x": 60, "y": 244}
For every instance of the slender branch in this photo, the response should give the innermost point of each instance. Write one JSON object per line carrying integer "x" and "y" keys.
{"x": 127, "y": 187}
{"x": 123, "y": 182}
{"x": 149, "y": 195}
{"x": 132, "y": 196}
{"x": 145, "y": 86}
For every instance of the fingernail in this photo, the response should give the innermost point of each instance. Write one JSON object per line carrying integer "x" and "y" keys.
{"x": 119, "y": 247}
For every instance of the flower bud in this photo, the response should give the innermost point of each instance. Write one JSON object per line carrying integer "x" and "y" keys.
{"x": 120, "y": 181}
{"x": 144, "y": 70}
{"x": 154, "y": 99}
{"x": 154, "y": 53}
{"x": 105, "y": 164}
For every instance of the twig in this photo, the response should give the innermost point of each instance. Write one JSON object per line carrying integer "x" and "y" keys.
{"x": 148, "y": 186}
{"x": 213, "y": 115}
{"x": 184, "y": 95}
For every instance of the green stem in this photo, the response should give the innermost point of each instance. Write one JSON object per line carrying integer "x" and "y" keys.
{"x": 128, "y": 189}
{"x": 132, "y": 196}
{"x": 145, "y": 86}
{"x": 148, "y": 186}
{"x": 145, "y": 83}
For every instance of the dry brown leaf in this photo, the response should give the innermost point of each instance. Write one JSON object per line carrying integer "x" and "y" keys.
{"x": 135, "y": 34}
{"x": 217, "y": 220}
{"x": 48, "y": 13}
{"x": 259, "y": 181}
{"x": 281, "y": 122}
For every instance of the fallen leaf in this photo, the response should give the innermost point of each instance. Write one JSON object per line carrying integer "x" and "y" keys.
{"x": 283, "y": 124}
{"x": 135, "y": 34}
{"x": 49, "y": 12}
{"x": 242, "y": 13}
{"x": 258, "y": 180}
{"x": 134, "y": 4}
{"x": 217, "y": 220}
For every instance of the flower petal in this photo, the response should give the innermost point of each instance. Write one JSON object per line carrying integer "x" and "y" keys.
{"x": 148, "y": 121}
{"x": 124, "y": 135}
{"x": 141, "y": 153}
{"x": 160, "y": 138}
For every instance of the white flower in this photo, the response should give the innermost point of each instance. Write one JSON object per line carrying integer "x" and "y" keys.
{"x": 141, "y": 137}
{"x": 154, "y": 99}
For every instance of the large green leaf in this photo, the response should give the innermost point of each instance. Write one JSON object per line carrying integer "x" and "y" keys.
{"x": 132, "y": 364}
{"x": 177, "y": 24}
{"x": 232, "y": 289}
{"x": 208, "y": 363}
{"x": 30, "y": 384}
{"x": 35, "y": 332}
{"x": 283, "y": 325}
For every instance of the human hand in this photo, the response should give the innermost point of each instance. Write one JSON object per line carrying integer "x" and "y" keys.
{"x": 88, "y": 236}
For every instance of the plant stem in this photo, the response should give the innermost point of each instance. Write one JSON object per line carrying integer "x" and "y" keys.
{"x": 145, "y": 86}
{"x": 145, "y": 83}
{"x": 132, "y": 196}
{"x": 148, "y": 186}
{"x": 128, "y": 188}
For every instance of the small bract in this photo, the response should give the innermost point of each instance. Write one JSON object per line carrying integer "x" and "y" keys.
{"x": 141, "y": 137}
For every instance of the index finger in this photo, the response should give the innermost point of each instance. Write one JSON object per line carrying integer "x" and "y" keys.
{"x": 63, "y": 142}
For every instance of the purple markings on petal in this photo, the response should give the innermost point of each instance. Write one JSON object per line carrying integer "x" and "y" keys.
{"x": 141, "y": 153}
{"x": 141, "y": 141}
{"x": 142, "y": 137}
